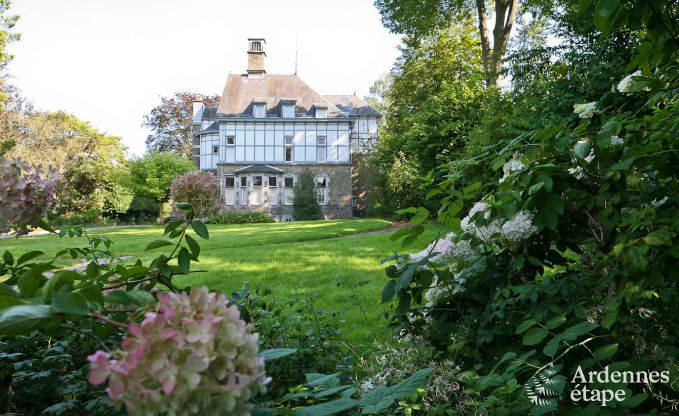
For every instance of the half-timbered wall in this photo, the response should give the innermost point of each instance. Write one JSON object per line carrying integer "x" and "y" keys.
{"x": 267, "y": 142}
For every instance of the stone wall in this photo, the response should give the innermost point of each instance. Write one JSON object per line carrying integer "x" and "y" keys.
{"x": 339, "y": 188}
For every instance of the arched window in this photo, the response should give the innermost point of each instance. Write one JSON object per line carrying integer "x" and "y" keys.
{"x": 322, "y": 189}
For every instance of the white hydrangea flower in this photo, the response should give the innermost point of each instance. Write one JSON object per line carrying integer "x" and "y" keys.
{"x": 478, "y": 207}
{"x": 577, "y": 171}
{"x": 520, "y": 227}
{"x": 434, "y": 294}
{"x": 627, "y": 84}
{"x": 658, "y": 203}
{"x": 616, "y": 141}
{"x": 513, "y": 165}
{"x": 590, "y": 158}
{"x": 586, "y": 110}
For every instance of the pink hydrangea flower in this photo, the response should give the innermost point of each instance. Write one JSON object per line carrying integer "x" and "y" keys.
{"x": 200, "y": 189}
{"x": 191, "y": 355}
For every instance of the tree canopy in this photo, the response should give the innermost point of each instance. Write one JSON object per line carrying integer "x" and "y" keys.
{"x": 170, "y": 123}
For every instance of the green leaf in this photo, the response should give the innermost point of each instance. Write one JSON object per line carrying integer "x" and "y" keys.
{"x": 7, "y": 301}
{"x": 624, "y": 165}
{"x": 133, "y": 297}
{"x": 376, "y": 400}
{"x": 200, "y": 229}
{"x": 29, "y": 256}
{"x": 389, "y": 291}
{"x": 172, "y": 226}
{"x": 552, "y": 346}
{"x": 411, "y": 384}
{"x": 184, "y": 260}
{"x": 606, "y": 352}
{"x": 322, "y": 380}
{"x": 193, "y": 246}
{"x": 399, "y": 234}
{"x": 525, "y": 325}
{"x": 606, "y": 8}
{"x": 8, "y": 258}
{"x": 7, "y": 290}
{"x": 534, "y": 336}
{"x": 555, "y": 322}
{"x": 329, "y": 408}
{"x": 55, "y": 283}
{"x": 72, "y": 303}
{"x": 577, "y": 330}
{"x": 661, "y": 237}
{"x": 277, "y": 353}
{"x": 582, "y": 148}
{"x": 420, "y": 216}
{"x": 535, "y": 188}
{"x": 157, "y": 244}
{"x": 92, "y": 269}
{"x": 22, "y": 319}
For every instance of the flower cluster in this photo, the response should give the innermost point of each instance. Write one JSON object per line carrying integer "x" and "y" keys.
{"x": 199, "y": 189}
{"x": 616, "y": 140}
{"x": 25, "y": 196}
{"x": 516, "y": 229}
{"x": 577, "y": 171}
{"x": 513, "y": 165}
{"x": 628, "y": 84}
{"x": 194, "y": 355}
{"x": 586, "y": 110}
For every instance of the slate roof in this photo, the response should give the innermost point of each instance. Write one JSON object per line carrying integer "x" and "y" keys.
{"x": 352, "y": 105}
{"x": 213, "y": 128}
{"x": 259, "y": 169}
{"x": 241, "y": 91}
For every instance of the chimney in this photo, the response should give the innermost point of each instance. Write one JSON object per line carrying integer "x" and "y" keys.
{"x": 197, "y": 111}
{"x": 256, "y": 56}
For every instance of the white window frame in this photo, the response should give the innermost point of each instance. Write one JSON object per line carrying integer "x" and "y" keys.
{"x": 230, "y": 191}
{"x": 321, "y": 192}
{"x": 232, "y": 138}
{"x": 259, "y": 111}
{"x": 288, "y": 111}
{"x": 321, "y": 112}
{"x": 288, "y": 191}
{"x": 243, "y": 190}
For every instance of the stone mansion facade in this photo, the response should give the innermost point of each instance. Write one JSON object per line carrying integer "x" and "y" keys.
{"x": 268, "y": 128}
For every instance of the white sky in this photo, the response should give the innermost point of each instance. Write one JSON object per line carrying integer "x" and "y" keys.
{"x": 109, "y": 62}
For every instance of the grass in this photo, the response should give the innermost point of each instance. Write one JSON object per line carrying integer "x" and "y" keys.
{"x": 292, "y": 259}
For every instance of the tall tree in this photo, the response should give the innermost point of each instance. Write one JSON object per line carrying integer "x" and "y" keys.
{"x": 7, "y": 23}
{"x": 171, "y": 123}
{"x": 153, "y": 174}
{"x": 417, "y": 18}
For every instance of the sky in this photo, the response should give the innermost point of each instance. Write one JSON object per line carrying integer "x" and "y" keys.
{"x": 109, "y": 62}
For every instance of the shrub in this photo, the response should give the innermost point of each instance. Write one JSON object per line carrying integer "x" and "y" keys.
{"x": 240, "y": 217}
{"x": 305, "y": 202}
{"x": 199, "y": 189}
{"x": 25, "y": 196}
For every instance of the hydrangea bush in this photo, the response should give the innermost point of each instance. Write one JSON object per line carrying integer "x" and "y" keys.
{"x": 26, "y": 195}
{"x": 572, "y": 260}
{"x": 200, "y": 190}
{"x": 193, "y": 355}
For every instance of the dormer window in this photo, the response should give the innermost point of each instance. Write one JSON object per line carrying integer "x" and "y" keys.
{"x": 288, "y": 111}
{"x": 259, "y": 111}
{"x": 321, "y": 112}
{"x": 256, "y": 46}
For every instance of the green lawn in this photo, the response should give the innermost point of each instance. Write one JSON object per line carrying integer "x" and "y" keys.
{"x": 289, "y": 258}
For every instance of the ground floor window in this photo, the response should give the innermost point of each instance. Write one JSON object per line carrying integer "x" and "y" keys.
{"x": 273, "y": 191}
{"x": 256, "y": 192}
{"x": 230, "y": 190}
{"x": 243, "y": 190}
{"x": 289, "y": 190}
{"x": 321, "y": 189}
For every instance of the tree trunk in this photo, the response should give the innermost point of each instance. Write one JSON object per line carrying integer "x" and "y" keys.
{"x": 505, "y": 16}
